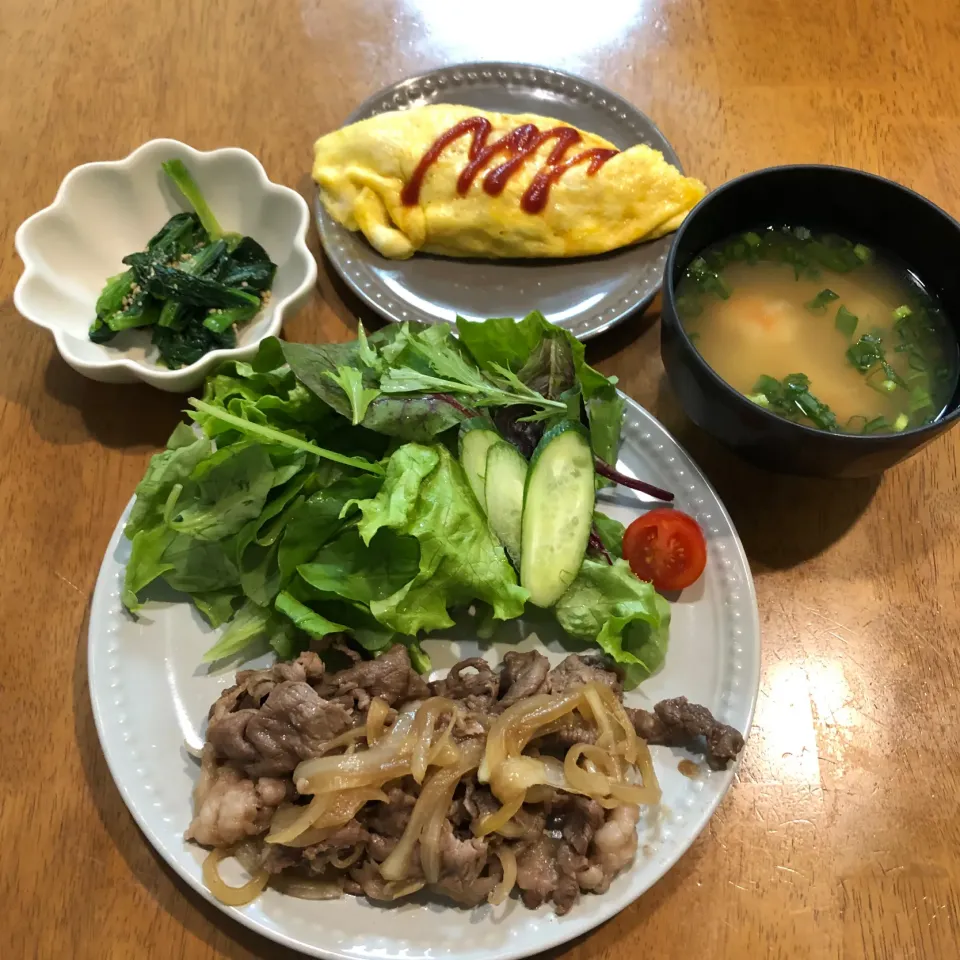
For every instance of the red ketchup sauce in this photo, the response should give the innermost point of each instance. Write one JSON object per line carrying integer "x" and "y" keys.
{"x": 517, "y": 146}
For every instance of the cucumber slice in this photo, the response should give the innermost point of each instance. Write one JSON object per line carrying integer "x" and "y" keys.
{"x": 503, "y": 489}
{"x": 557, "y": 512}
{"x": 477, "y": 436}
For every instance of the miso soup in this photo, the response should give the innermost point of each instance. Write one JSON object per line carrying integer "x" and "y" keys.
{"x": 820, "y": 330}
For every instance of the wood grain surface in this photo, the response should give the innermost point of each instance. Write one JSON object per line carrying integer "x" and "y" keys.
{"x": 840, "y": 835}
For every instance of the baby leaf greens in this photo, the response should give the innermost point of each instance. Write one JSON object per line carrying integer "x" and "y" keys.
{"x": 193, "y": 284}
{"x": 317, "y": 492}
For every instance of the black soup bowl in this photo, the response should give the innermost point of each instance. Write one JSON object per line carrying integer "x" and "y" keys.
{"x": 853, "y": 204}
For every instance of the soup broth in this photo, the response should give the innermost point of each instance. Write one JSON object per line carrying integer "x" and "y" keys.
{"x": 820, "y": 330}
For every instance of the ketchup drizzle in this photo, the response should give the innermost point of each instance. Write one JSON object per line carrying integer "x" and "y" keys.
{"x": 518, "y": 145}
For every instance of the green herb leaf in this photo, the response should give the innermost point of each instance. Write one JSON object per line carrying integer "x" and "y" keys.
{"x": 350, "y": 381}
{"x": 278, "y": 436}
{"x": 624, "y": 616}
{"x": 791, "y": 397}
{"x": 354, "y": 570}
{"x": 367, "y": 352}
{"x": 218, "y": 606}
{"x": 820, "y": 301}
{"x": 611, "y": 533}
{"x": 419, "y": 418}
{"x": 876, "y": 425}
{"x": 846, "y": 322}
{"x": 229, "y": 489}
{"x": 185, "y": 450}
{"x": 306, "y": 619}
{"x": 251, "y": 624}
{"x": 318, "y": 520}
{"x": 866, "y": 353}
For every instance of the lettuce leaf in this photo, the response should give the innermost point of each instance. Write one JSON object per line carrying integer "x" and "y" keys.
{"x": 228, "y": 489}
{"x": 611, "y": 533}
{"x": 425, "y": 495}
{"x": 543, "y": 354}
{"x": 185, "y": 450}
{"x": 321, "y": 367}
{"x": 607, "y": 605}
{"x": 317, "y": 519}
{"x": 365, "y": 573}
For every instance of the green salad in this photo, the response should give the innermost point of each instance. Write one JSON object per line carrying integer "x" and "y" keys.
{"x": 376, "y": 488}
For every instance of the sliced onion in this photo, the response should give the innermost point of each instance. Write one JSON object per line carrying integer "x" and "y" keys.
{"x": 492, "y": 822}
{"x": 422, "y": 732}
{"x": 631, "y": 742}
{"x": 376, "y": 719}
{"x": 606, "y": 739}
{"x": 231, "y": 896}
{"x": 307, "y": 888}
{"x": 508, "y": 861}
{"x": 249, "y": 854}
{"x": 289, "y": 821}
{"x": 596, "y": 785}
{"x": 511, "y": 829}
{"x": 431, "y": 806}
{"x": 346, "y": 739}
{"x": 388, "y": 760}
{"x": 341, "y": 863}
{"x": 634, "y": 793}
{"x": 518, "y": 724}
{"x": 303, "y": 826}
{"x": 644, "y": 767}
{"x": 401, "y": 888}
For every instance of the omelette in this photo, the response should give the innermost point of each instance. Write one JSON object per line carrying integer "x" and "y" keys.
{"x": 461, "y": 182}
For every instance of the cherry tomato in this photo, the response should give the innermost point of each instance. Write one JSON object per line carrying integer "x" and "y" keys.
{"x": 666, "y": 547}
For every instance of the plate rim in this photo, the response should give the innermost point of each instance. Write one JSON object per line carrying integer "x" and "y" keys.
{"x": 331, "y": 233}
{"x": 604, "y": 907}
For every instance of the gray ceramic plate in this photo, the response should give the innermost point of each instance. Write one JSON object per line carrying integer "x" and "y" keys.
{"x": 586, "y": 295}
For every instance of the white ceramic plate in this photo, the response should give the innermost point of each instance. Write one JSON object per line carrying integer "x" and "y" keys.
{"x": 107, "y": 209}
{"x": 151, "y": 695}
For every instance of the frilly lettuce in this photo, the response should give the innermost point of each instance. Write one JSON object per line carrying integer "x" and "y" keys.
{"x": 607, "y": 605}
{"x": 425, "y": 496}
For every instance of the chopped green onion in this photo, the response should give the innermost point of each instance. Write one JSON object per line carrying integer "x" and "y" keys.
{"x": 846, "y": 322}
{"x": 902, "y": 312}
{"x": 708, "y": 279}
{"x": 866, "y": 352}
{"x": 791, "y": 396}
{"x": 820, "y": 301}
{"x": 920, "y": 400}
{"x": 901, "y": 423}
{"x": 876, "y": 424}
{"x": 760, "y": 399}
{"x": 863, "y": 254}
{"x": 752, "y": 239}
{"x": 856, "y": 422}
{"x": 689, "y": 306}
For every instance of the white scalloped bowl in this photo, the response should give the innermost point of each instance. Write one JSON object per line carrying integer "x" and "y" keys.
{"x": 105, "y": 210}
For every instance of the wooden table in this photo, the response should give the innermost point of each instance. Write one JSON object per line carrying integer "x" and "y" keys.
{"x": 840, "y": 836}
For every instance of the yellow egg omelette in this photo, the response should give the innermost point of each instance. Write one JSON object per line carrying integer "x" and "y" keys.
{"x": 462, "y": 182}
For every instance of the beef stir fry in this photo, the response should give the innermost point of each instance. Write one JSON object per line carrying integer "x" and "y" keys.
{"x": 371, "y": 781}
